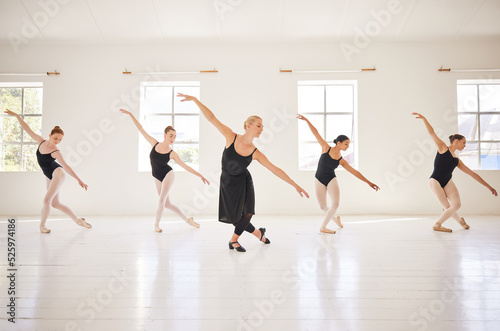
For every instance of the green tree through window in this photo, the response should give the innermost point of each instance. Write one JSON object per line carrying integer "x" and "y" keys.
{"x": 18, "y": 149}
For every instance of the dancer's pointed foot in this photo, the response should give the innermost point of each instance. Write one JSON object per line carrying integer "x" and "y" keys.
{"x": 326, "y": 230}
{"x": 157, "y": 229}
{"x": 81, "y": 222}
{"x": 43, "y": 229}
{"x": 463, "y": 224}
{"x": 439, "y": 227}
{"x": 191, "y": 222}
{"x": 337, "y": 221}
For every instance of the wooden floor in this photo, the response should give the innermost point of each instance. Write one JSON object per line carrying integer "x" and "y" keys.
{"x": 378, "y": 273}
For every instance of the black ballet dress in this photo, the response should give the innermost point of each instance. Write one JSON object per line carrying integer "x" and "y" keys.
{"x": 326, "y": 168}
{"x": 444, "y": 164}
{"x": 159, "y": 163}
{"x": 236, "y": 194}
{"x": 46, "y": 162}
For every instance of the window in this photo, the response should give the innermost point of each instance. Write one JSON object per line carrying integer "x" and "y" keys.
{"x": 478, "y": 104}
{"x": 160, "y": 107}
{"x": 331, "y": 107}
{"x": 18, "y": 149}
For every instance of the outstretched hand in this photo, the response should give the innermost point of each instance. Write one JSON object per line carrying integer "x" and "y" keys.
{"x": 373, "y": 186}
{"x": 205, "y": 181}
{"x": 10, "y": 112}
{"x": 300, "y": 117}
{"x": 494, "y": 192}
{"x": 302, "y": 191}
{"x": 82, "y": 184}
{"x": 419, "y": 116}
{"x": 186, "y": 97}
{"x": 125, "y": 111}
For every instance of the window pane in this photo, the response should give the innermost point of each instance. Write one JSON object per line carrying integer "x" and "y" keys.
{"x": 188, "y": 153}
{"x": 490, "y": 127}
{"x": 155, "y": 125}
{"x": 158, "y": 99}
{"x": 490, "y": 156}
{"x": 187, "y": 128}
{"x": 311, "y": 99}
{"x": 305, "y": 133}
{"x": 337, "y": 125}
{"x": 309, "y": 154}
{"x": 11, "y": 157}
{"x": 11, "y": 129}
{"x": 35, "y": 123}
{"x": 340, "y": 98}
{"x": 489, "y": 97}
{"x": 469, "y": 155}
{"x": 10, "y": 98}
{"x": 467, "y": 126}
{"x": 33, "y": 98}
{"x": 29, "y": 158}
{"x": 467, "y": 98}
{"x": 186, "y": 107}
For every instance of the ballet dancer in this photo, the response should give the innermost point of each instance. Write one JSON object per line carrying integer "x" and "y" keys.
{"x": 164, "y": 176}
{"x": 236, "y": 197}
{"x": 440, "y": 181}
{"x": 326, "y": 180}
{"x": 47, "y": 154}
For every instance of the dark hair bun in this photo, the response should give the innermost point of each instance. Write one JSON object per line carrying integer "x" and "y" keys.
{"x": 334, "y": 141}
{"x": 451, "y": 136}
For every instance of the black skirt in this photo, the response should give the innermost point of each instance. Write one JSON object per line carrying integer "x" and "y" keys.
{"x": 236, "y": 197}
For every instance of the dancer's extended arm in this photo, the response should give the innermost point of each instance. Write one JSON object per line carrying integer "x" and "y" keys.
{"x": 58, "y": 156}
{"x": 278, "y": 172}
{"x": 321, "y": 141}
{"x": 442, "y": 147}
{"x": 225, "y": 130}
{"x": 177, "y": 159}
{"x": 358, "y": 174}
{"x": 149, "y": 138}
{"x": 26, "y": 127}
{"x": 478, "y": 178}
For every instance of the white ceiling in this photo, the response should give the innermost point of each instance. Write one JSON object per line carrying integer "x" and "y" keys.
{"x": 118, "y": 21}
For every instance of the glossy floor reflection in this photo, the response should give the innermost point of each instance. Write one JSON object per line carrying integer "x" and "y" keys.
{"x": 378, "y": 273}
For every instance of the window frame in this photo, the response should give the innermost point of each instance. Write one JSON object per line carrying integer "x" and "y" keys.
{"x": 143, "y": 115}
{"x": 477, "y": 113}
{"x": 354, "y": 136}
{"x": 22, "y": 143}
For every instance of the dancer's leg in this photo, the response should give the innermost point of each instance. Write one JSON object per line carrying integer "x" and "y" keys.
{"x": 163, "y": 190}
{"x": 449, "y": 198}
{"x": 334, "y": 193}
{"x": 321, "y": 193}
{"x": 53, "y": 187}
{"x": 175, "y": 209}
{"x": 240, "y": 227}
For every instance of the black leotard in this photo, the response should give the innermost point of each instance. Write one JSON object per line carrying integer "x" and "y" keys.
{"x": 159, "y": 163}
{"x": 444, "y": 164}
{"x": 326, "y": 168}
{"x": 236, "y": 194}
{"x": 47, "y": 163}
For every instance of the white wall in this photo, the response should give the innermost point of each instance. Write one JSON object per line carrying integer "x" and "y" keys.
{"x": 91, "y": 87}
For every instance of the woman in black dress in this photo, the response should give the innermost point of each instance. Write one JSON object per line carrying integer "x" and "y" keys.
{"x": 237, "y": 198}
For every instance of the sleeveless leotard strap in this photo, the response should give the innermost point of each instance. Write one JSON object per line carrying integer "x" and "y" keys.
{"x": 253, "y": 151}
{"x": 329, "y": 150}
